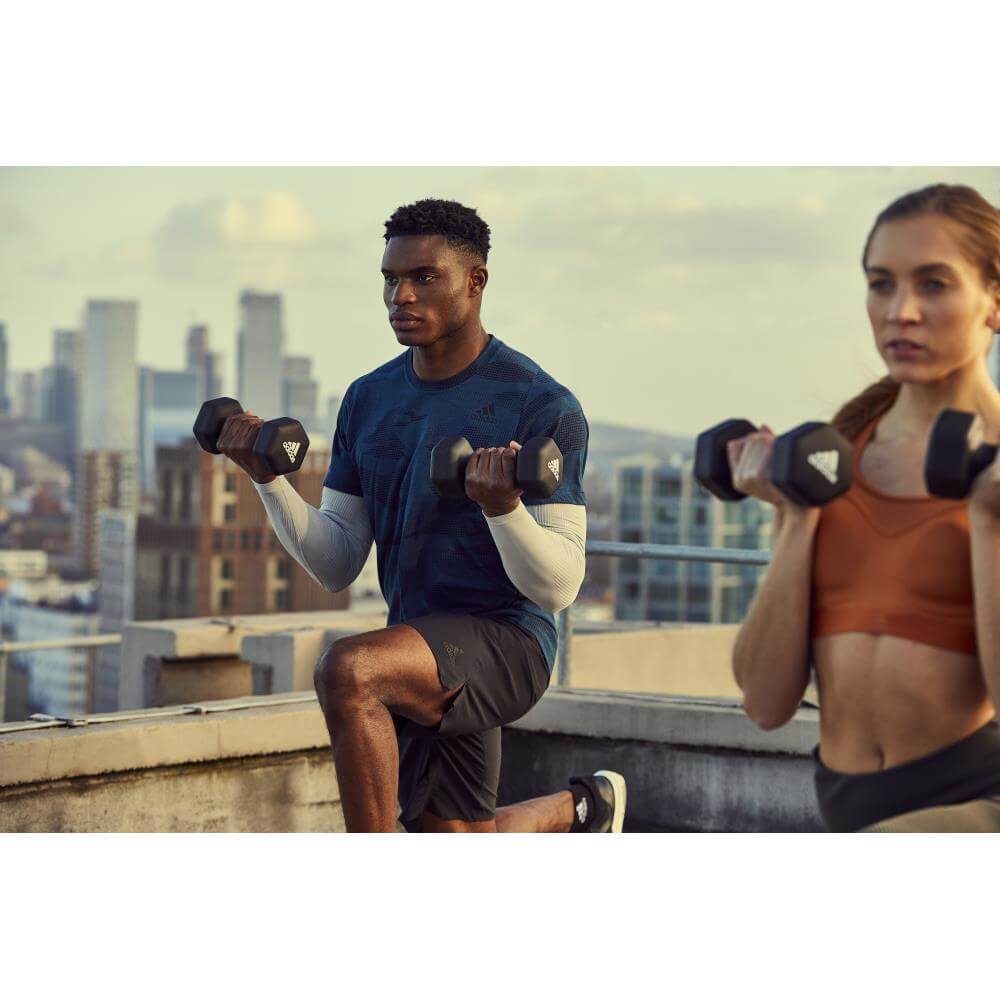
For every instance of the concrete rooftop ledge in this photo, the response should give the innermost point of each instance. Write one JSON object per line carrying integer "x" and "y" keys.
{"x": 673, "y": 719}
{"x": 156, "y": 738}
{"x": 263, "y": 764}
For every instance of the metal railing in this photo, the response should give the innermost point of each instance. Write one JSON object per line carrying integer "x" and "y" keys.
{"x": 68, "y": 642}
{"x": 564, "y": 621}
{"x": 642, "y": 550}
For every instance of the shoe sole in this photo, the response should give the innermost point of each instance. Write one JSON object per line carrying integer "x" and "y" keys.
{"x": 618, "y": 784}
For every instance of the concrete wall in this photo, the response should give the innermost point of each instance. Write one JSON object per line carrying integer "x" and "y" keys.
{"x": 264, "y": 764}
{"x": 690, "y": 765}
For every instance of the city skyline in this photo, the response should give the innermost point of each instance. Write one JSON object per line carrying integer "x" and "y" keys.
{"x": 697, "y": 278}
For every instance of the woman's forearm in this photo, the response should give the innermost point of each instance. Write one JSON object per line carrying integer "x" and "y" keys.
{"x": 985, "y": 543}
{"x": 771, "y": 653}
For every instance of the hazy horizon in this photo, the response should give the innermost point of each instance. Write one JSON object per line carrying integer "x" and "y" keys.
{"x": 666, "y": 298}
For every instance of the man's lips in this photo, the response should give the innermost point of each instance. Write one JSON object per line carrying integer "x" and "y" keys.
{"x": 404, "y": 320}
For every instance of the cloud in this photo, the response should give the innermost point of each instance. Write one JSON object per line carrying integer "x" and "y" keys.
{"x": 14, "y": 224}
{"x": 272, "y": 240}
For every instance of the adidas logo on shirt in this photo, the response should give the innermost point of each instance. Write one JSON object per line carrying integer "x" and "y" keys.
{"x": 453, "y": 652}
{"x": 553, "y": 467}
{"x": 292, "y": 449}
{"x": 487, "y": 413}
{"x": 826, "y": 463}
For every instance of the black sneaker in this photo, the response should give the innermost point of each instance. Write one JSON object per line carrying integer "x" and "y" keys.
{"x": 602, "y": 808}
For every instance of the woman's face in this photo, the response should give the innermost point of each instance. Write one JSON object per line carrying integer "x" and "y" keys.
{"x": 929, "y": 310}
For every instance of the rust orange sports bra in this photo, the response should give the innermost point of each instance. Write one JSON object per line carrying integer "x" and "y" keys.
{"x": 892, "y": 565}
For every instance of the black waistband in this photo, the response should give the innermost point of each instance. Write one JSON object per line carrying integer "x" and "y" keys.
{"x": 963, "y": 771}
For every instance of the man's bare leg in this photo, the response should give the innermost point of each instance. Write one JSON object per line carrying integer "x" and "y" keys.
{"x": 360, "y": 681}
{"x": 547, "y": 814}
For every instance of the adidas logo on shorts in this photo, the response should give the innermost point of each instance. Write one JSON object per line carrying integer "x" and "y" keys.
{"x": 292, "y": 449}
{"x": 826, "y": 463}
{"x": 453, "y": 652}
{"x": 553, "y": 467}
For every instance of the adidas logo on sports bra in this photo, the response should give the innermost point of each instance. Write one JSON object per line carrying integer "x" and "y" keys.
{"x": 292, "y": 449}
{"x": 826, "y": 463}
{"x": 554, "y": 468}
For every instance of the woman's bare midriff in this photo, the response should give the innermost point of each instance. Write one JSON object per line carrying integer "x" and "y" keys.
{"x": 885, "y": 700}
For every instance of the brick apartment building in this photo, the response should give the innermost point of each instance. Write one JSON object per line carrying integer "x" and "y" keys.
{"x": 210, "y": 550}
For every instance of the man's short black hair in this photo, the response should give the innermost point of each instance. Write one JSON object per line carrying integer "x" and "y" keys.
{"x": 460, "y": 226}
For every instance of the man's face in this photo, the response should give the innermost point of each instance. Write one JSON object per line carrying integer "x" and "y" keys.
{"x": 430, "y": 289}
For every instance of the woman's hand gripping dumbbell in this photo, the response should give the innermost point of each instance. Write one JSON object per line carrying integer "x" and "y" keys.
{"x": 809, "y": 465}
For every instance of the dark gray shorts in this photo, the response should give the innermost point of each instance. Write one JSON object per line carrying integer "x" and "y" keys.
{"x": 453, "y": 771}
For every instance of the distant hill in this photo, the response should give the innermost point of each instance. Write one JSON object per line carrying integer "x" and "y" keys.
{"x": 609, "y": 442}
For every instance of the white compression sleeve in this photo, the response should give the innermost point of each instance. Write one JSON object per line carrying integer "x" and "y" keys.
{"x": 542, "y": 549}
{"x": 331, "y": 544}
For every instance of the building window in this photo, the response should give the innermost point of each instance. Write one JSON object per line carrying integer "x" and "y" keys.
{"x": 245, "y": 538}
{"x": 226, "y": 571}
{"x": 230, "y": 482}
{"x": 284, "y": 569}
{"x": 164, "y": 576}
{"x": 185, "y": 511}
{"x": 632, "y": 591}
{"x": 225, "y": 600}
{"x": 166, "y": 489}
{"x": 256, "y": 539}
{"x": 632, "y": 482}
{"x": 182, "y": 583}
{"x": 281, "y": 600}
{"x": 217, "y": 537}
{"x": 229, "y": 513}
{"x": 667, "y": 486}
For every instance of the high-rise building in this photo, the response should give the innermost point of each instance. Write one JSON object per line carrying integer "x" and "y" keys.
{"x": 168, "y": 405}
{"x": 115, "y": 599}
{"x": 4, "y": 398}
{"x": 300, "y": 393}
{"x": 209, "y": 549}
{"x": 107, "y": 465}
{"x": 61, "y": 385}
{"x": 259, "y": 346}
{"x": 660, "y": 502}
{"x": 27, "y": 403}
{"x": 109, "y": 386}
{"x": 105, "y": 479}
{"x": 206, "y": 364}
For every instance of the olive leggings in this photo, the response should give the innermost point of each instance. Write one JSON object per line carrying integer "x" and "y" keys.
{"x": 977, "y": 816}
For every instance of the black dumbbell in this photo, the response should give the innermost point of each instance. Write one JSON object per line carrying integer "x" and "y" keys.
{"x": 810, "y": 464}
{"x": 951, "y": 465}
{"x": 538, "y": 471}
{"x": 281, "y": 443}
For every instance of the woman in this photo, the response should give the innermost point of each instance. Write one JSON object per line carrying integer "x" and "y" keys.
{"x": 891, "y": 594}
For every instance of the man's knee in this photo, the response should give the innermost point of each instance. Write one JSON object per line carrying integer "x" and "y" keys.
{"x": 345, "y": 674}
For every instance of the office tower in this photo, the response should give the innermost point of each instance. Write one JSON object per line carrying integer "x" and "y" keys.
{"x": 109, "y": 385}
{"x": 27, "y": 403}
{"x": 206, "y": 364}
{"x": 660, "y": 502}
{"x": 115, "y": 600}
{"x": 330, "y": 420}
{"x": 168, "y": 405}
{"x": 259, "y": 348}
{"x": 107, "y": 467}
{"x": 300, "y": 393}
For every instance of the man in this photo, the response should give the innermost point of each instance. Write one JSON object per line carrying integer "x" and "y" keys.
{"x": 414, "y": 710}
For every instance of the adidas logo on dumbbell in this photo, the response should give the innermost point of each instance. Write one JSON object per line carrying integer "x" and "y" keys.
{"x": 281, "y": 443}
{"x": 811, "y": 464}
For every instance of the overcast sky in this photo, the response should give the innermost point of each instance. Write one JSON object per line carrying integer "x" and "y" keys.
{"x": 667, "y": 298}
